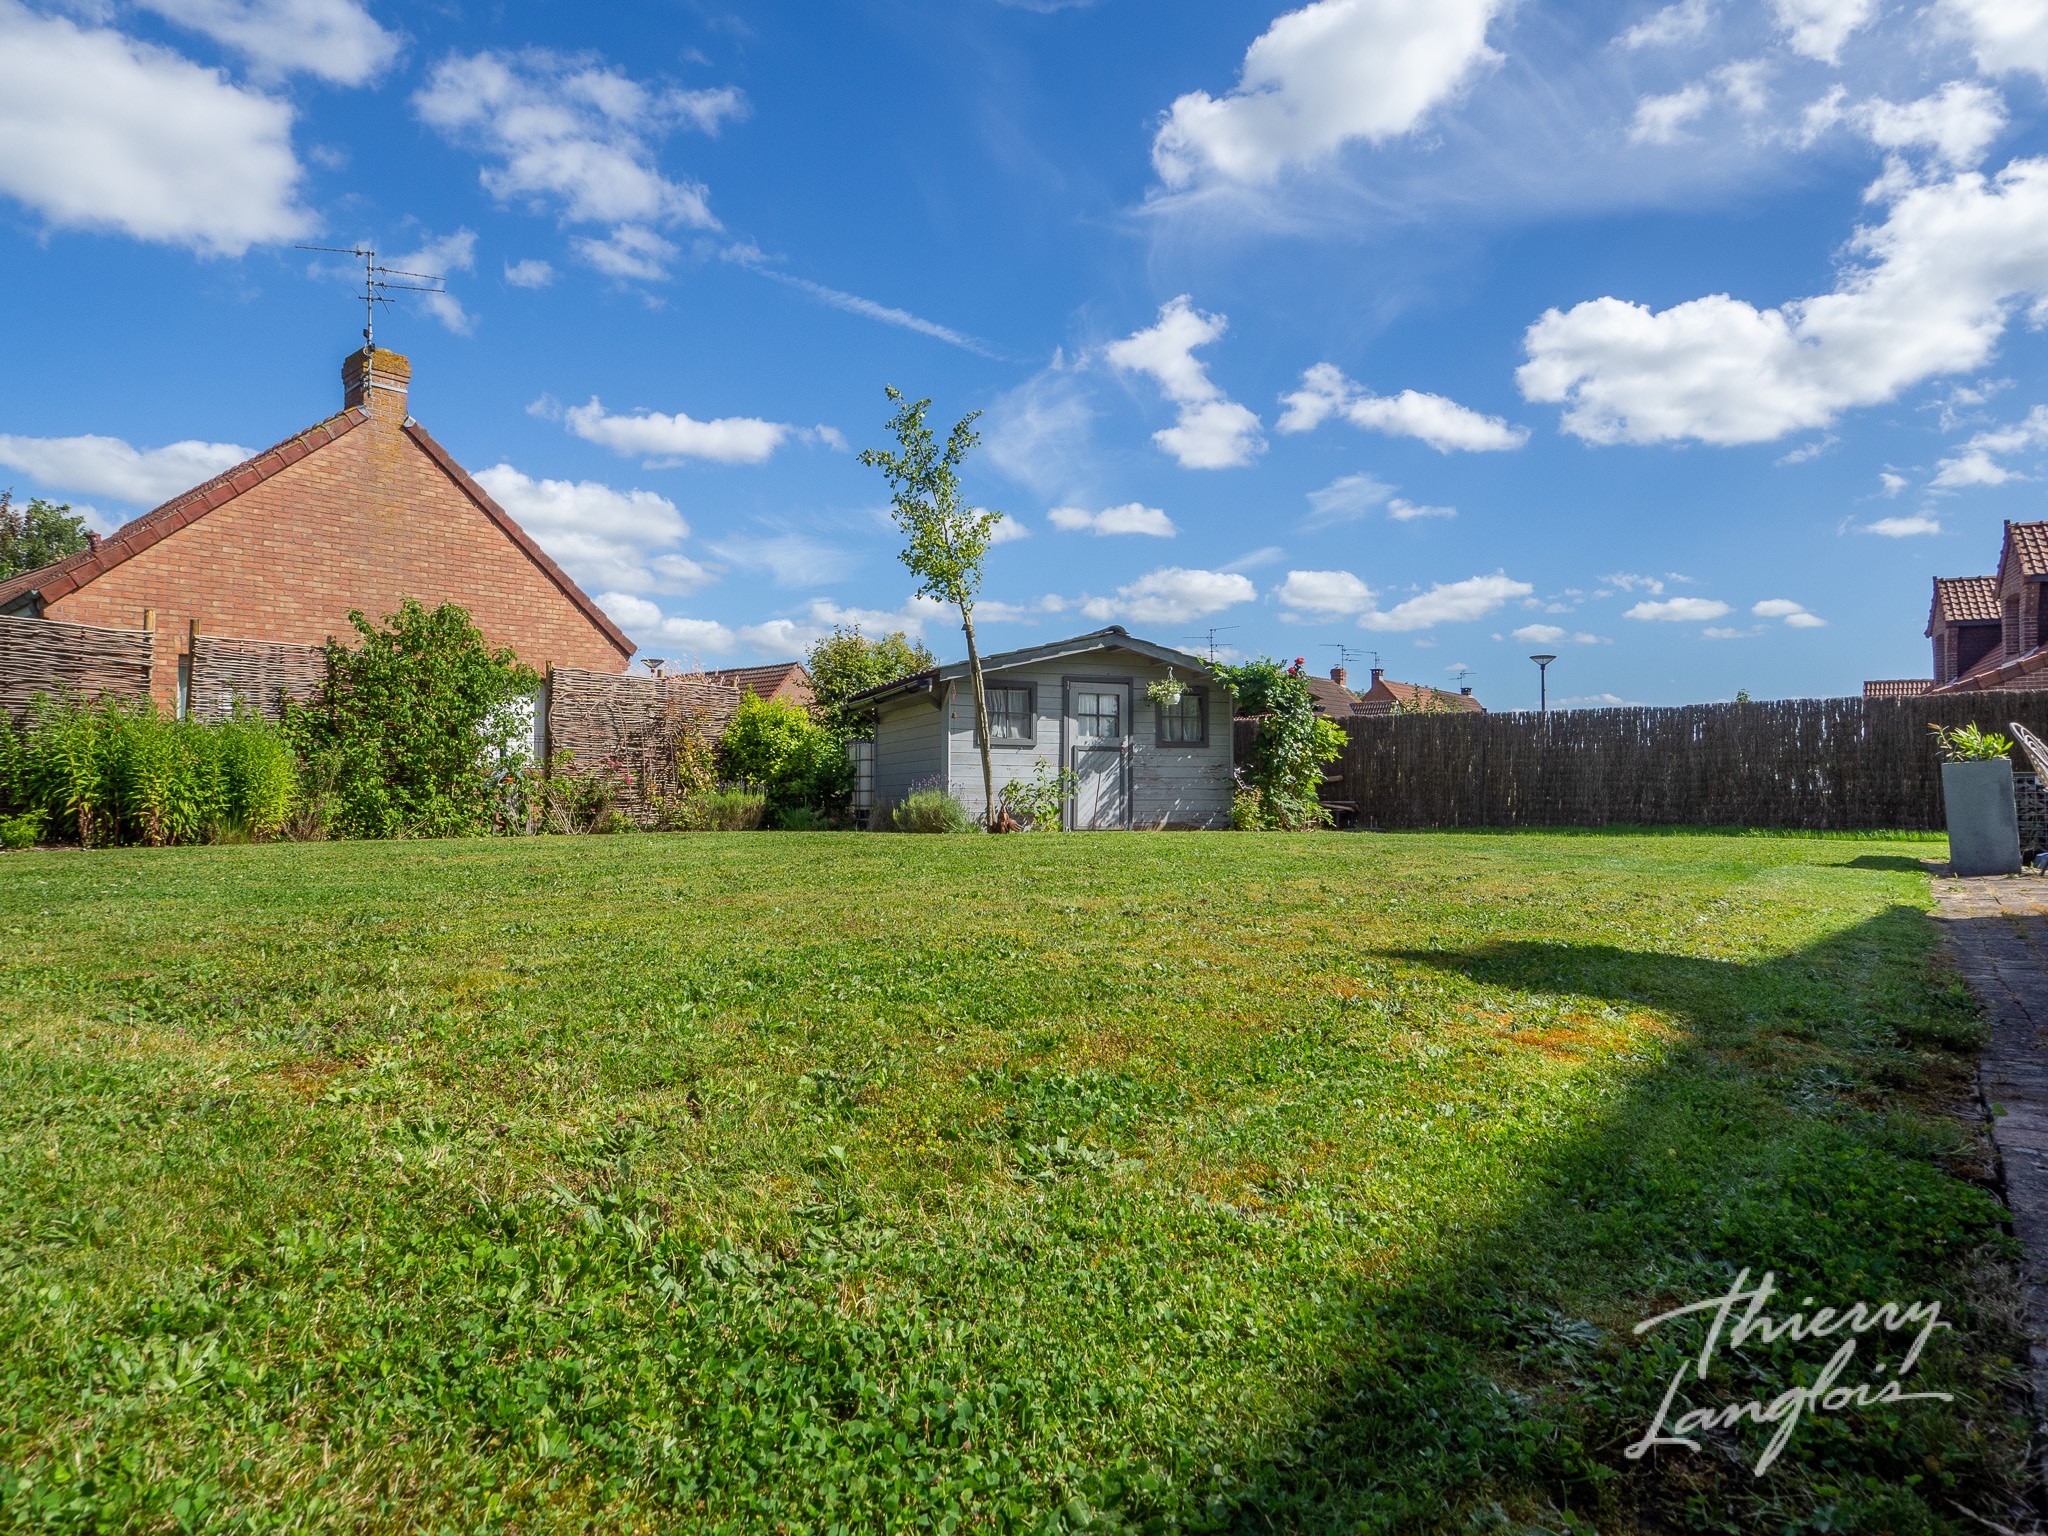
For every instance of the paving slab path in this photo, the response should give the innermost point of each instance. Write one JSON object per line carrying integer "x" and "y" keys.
{"x": 1997, "y": 930}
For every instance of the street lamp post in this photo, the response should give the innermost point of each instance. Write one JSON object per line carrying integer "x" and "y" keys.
{"x": 1543, "y": 682}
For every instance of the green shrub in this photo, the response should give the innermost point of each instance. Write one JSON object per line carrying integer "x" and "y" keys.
{"x": 730, "y": 809}
{"x": 1969, "y": 744}
{"x": 774, "y": 743}
{"x": 932, "y": 810}
{"x": 23, "y": 831}
{"x": 117, "y": 771}
{"x": 803, "y": 819}
{"x": 1283, "y": 771}
{"x": 416, "y": 721}
{"x": 1038, "y": 801}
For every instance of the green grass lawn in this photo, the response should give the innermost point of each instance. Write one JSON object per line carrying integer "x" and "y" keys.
{"x": 810, "y": 1183}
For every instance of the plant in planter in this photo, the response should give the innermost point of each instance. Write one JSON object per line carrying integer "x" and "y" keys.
{"x": 1166, "y": 691}
{"x": 1977, "y": 796}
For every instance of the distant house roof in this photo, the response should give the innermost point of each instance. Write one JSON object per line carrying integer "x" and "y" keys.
{"x": 1964, "y": 600}
{"x": 2028, "y": 544}
{"x": 1116, "y": 637}
{"x": 1331, "y": 696}
{"x": 1385, "y": 696}
{"x": 777, "y": 680}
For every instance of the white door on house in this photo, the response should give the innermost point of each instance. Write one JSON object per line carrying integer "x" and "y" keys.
{"x": 1098, "y": 727}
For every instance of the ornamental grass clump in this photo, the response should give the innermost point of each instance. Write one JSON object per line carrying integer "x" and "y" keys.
{"x": 930, "y": 808}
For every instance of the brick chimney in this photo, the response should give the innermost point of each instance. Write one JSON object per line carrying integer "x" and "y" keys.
{"x": 1377, "y": 674}
{"x": 376, "y": 380}
{"x": 1337, "y": 676}
{"x": 1466, "y": 691}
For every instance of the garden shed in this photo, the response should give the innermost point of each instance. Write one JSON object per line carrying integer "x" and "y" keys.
{"x": 1081, "y": 704}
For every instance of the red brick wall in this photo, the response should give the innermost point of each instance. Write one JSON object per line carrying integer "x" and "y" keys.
{"x": 363, "y": 522}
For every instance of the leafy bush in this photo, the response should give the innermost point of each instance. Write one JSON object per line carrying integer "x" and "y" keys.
{"x": 847, "y": 662}
{"x": 117, "y": 771}
{"x": 37, "y": 534}
{"x": 1283, "y": 772}
{"x": 730, "y": 809}
{"x": 23, "y": 831}
{"x": 416, "y": 719}
{"x": 932, "y": 810}
{"x": 1038, "y": 800}
{"x": 803, "y": 819}
{"x": 797, "y": 763}
{"x": 1968, "y": 744}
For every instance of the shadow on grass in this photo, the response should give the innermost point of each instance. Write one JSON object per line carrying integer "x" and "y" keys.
{"x": 1799, "y": 1127}
{"x": 1895, "y": 862}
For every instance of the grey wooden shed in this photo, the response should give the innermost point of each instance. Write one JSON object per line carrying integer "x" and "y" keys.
{"x": 1080, "y": 703}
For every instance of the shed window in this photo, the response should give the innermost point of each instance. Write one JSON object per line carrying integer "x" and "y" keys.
{"x": 1009, "y": 715}
{"x": 1185, "y": 722}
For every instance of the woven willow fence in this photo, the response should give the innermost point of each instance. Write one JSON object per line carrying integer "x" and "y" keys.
{"x": 1818, "y": 764}
{"x": 628, "y": 729}
{"x": 257, "y": 674}
{"x": 44, "y": 656}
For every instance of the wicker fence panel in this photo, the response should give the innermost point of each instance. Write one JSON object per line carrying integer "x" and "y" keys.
{"x": 45, "y": 656}
{"x": 1819, "y": 764}
{"x": 627, "y": 727}
{"x": 256, "y": 674}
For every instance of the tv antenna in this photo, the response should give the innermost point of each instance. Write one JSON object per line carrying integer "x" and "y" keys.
{"x": 377, "y": 282}
{"x": 1347, "y": 654}
{"x": 1209, "y": 639}
{"x": 1463, "y": 673}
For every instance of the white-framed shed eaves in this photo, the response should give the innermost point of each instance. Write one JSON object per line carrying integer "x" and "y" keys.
{"x": 1079, "y": 703}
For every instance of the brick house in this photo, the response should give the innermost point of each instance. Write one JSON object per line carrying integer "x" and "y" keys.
{"x": 360, "y": 511}
{"x": 777, "y": 680}
{"x": 1992, "y": 631}
{"x": 1384, "y": 697}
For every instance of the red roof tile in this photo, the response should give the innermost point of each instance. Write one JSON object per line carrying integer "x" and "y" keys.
{"x": 1965, "y": 600}
{"x": 2029, "y": 541}
{"x": 788, "y": 677}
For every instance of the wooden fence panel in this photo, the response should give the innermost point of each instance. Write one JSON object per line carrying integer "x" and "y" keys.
{"x": 627, "y": 727}
{"x": 254, "y": 673}
{"x": 46, "y": 656}
{"x": 1819, "y": 764}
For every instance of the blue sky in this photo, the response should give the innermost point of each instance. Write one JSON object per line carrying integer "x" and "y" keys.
{"x": 1686, "y": 342}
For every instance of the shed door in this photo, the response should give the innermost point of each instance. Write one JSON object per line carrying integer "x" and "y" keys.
{"x": 1098, "y": 726}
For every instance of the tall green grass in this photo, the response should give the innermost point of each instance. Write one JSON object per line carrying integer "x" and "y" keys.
{"x": 118, "y": 771}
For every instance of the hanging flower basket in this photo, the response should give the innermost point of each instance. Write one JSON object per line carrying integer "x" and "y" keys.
{"x": 1166, "y": 691}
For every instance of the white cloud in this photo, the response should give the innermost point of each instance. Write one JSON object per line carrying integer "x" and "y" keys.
{"x": 106, "y": 466}
{"x": 1957, "y": 123}
{"x": 1806, "y": 453}
{"x": 679, "y": 641}
{"x": 790, "y": 559}
{"x": 438, "y": 258}
{"x": 1978, "y": 461}
{"x": 1040, "y": 432}
{"x": 631, "y": 253}
{"x": 1172, "y": 595}
{"x": 1443, "y": 424}
{"x": 1212, "y": 432}
{"x": 1893, "y": 484}
{"x": 1662, "y": 119}
{"x": 1323, "y": 76}
{"x": 1685, "y": 22}
{"x": 531, "y": 273}
{"x": 1818, "y": 28}
{"x": 754, "y": 260}
{"x": 2004, "y": 35}
{"x": 1551, "y": 634}
{"x": 1729, "y": 632}
{"x": 1903, "y": 527}
{"x": 1009, "y": 530}
{"x": 1448, "y": 603}
{"x": 1346, "y": 500}
{"x": 575, "y": 136}
{"x": 1944, "y": 272}
{"x": 664, "y": 441}
{"x": 1407, "y": 511}
{"x": 335, "y": 40}
{"x": 1792, "y": 613}
{"x": 98, "y": 131}
{"x": 1679, "y": 610}
{"x": 1131, "y": 517}
{"x": 604, "y": 538}
{"x": 1324, "y": 592}
{"x": 791, "y": 637}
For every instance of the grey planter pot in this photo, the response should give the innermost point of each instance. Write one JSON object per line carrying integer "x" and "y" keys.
{"x": 1983, "y": 818}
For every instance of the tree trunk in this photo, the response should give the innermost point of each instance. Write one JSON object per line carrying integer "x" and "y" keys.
{"x": 988, "y": 761}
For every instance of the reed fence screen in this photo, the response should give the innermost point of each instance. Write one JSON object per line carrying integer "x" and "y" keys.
{"x": 258, "y": 675}
{"x": 1816, "y": 764}
{"x": 627, "y": 728}
{"x": 45, "y": 656}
